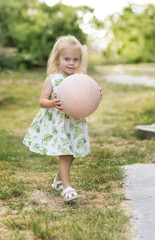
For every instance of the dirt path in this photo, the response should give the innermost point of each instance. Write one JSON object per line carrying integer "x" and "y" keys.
{"x": 143, "y": 75}
{"x": 130, "y": 80}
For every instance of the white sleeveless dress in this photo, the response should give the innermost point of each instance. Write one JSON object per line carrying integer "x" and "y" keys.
{"x": 53, "y": 133}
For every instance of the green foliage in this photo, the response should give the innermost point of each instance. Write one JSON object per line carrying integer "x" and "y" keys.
{"x": 32, "y": 27}
{"x": 133, "y": 36}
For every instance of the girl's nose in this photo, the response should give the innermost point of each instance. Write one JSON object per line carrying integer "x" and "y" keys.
{"x": 71, "y": 62}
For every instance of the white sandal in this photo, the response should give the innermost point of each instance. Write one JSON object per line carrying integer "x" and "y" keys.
{"x": 57, "y": 185}
{"x": 69, "y": 194}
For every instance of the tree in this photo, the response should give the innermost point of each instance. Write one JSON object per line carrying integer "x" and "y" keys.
{"x": 133, "y": 36}
{"x": 32, "y": 27}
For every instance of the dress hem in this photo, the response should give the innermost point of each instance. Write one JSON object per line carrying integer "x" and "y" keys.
{"x": 57, "y": 154}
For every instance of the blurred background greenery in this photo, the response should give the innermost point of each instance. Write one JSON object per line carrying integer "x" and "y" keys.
{"x": 29, "y": 28}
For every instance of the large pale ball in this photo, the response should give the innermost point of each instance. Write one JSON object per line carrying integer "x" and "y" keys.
{"x": 79, "y": 95}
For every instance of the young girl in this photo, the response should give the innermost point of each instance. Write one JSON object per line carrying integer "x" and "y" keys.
{"x": 52, "y": 132}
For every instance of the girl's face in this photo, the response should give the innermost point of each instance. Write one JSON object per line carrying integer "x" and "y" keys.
{"x": 69, "y": 61}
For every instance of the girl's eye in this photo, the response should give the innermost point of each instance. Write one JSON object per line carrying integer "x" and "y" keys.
{"x": 76, "y": 60}
{"x": 67, "y": 59}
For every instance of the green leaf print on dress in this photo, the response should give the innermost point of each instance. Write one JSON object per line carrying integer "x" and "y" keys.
{"x": 61, "y": 118}
{"x": 71, "y": 149}
{"x": 44, "y": 151}
{"x": 63, "y": 141}
{"x": 47, "y": 137}
{"x": 69, "y": 136}
{"x": 78, "y": 154}
{"x": 36, "y": 127}
{"x": 77, "y": 131}
{"x": 37, "y": 147}
{"x": 54, "y": 133}
{"x": 28, "y": 135}
{"x": 49, "y": 116}
{"x": 81, "y": 142}
{"x": 58, "y": 81}
{"x": 54, "y": 130}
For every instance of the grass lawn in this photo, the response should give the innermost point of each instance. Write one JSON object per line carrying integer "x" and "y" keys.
{"x": 30, "y": 210}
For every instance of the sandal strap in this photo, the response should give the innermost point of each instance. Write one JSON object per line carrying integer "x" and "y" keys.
{"x": 69, "y": 193}
{"x": 67, "y": 190}
{"x": 56, "y": 183}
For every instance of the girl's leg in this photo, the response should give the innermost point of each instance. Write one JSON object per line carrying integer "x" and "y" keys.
{"x": 64, "y": 170}
{"x": 58, "y": 177}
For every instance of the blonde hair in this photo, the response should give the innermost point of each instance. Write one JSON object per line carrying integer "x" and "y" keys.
{"x": 62, "y": 43}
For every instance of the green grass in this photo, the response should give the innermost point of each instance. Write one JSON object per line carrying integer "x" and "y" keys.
{"x": 30, "y": 209}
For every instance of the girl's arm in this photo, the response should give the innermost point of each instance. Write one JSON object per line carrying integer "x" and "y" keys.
{"x": 101, "y": 92}
{"x": 45, "y": 101}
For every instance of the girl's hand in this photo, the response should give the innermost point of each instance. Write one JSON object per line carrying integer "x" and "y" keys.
{"x": 57, "y": 102}
{"x": 101, "y": 92}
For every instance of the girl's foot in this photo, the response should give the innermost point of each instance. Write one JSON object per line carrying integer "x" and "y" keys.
{"x": 57, "y": 185}
{"x": 69, "y": 194}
